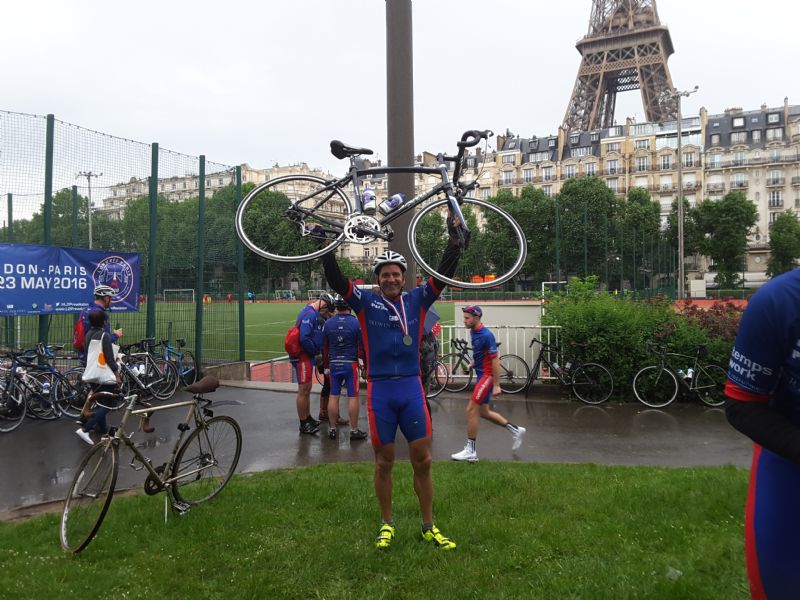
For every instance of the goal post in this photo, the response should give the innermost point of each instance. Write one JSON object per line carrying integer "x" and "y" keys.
{"x": 179, "y": 295}
{"x": 314, "y": 294}
{"x": 284, "y": 295}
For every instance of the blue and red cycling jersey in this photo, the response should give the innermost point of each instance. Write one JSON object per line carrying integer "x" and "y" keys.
{"x": 341, "y": 336}
{"x": 310, "y": 324}
{"x": 382, "y": 328}
{"x": 484, "y": 349}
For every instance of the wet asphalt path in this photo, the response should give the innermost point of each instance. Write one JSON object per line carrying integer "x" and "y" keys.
{"x": 37, "y": 460}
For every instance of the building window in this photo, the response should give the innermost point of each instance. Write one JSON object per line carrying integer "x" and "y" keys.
{"x": 114, "y": 193}
{"x": 666, "y": 162}
{"x": 594, "y": 137}
{"x": 715, "y": 139}
{"x": 527, "y": 175}
{"x": 642, "y": 164}
{"x": 508, "y": 177}
{"x": 574, "y": 139}
{"x": 739, "y": 137}
{"x": 539, "y": 156}
{"x": 471, "y": 162}
{"x": 776, "y": 199}
{"x": 739, "y": 181}
{"x": 580, "y": 152}
{"x": 508, "y": 159}
{"x": 774, "y": 134}
{"x": 738, "y": 158}
{"x": 773, "y": 217}
{"x": 221, "y": 181}
{"x": 591, "y": 169}
{"x": 642, "y": 144}
{"x": 714, "y": 161}
{"x": 613, "y": 147}
{"x": 738, "y": 122}
{"x": 571, "y": 171}
{"x": 548, "y": 190}
{"x": 208, "y": 183}
{"x": 775, "y": 155}
{"x": 756, "y": 135}
{"x": 551, "y": 143}
{"x": 366, "y": 252}
{"x": 613, "y": 166}
{"x": 773, "y": 118}
{"x": 688, "y": 159}
{"x": 547, "y": 173}
{"x": 612, "y": 185}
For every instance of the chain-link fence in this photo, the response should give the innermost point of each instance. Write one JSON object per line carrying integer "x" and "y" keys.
{"x": 176, "y": 211}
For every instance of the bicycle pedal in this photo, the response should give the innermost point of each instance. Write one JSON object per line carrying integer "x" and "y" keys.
{"x": 180, "y": 508}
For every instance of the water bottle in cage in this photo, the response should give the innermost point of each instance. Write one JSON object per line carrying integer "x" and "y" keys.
{"x": 556, "y": 368}
{"x": 681, "y": 374}
{"x": 368, "y": 200}
{"x": 46, "y": 388}
{"x": 690, "y": 373}
{"x": 392, "y": 202}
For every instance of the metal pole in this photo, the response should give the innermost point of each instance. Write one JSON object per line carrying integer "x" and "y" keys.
{"x": 585, "y": 246}
{"x": 240, "y": 261}
{"x": 558, "y": 246}
{"x": 10, "y": 235}
{"x": 400, "y": 117}
{"x": 201, "y": 257}
{"x": 152, "y": 247}
{"x": 48, "y": 206}
{"x": 74, "y": 228}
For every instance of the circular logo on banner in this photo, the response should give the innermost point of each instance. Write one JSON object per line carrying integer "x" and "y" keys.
{"x": 115, "y": 272}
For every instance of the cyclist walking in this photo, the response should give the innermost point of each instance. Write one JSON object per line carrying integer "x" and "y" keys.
{"x": 310, "y": 322}
{"x": 391, "y": 327}
{"x": 341, "y": 348}
{"x": 486, "y": 363}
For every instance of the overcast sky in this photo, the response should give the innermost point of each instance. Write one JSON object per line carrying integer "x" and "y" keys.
{"x": 274, "y": 81}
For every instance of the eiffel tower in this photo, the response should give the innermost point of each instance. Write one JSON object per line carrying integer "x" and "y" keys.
{"x": 625, "y": 49}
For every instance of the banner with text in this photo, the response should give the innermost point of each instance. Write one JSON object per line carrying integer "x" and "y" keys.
{"x": 39, "y": 280}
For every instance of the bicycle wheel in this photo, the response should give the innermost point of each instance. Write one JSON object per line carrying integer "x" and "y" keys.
{"x": 166, "y": 388}
{"x": 460, "y": 375}
{"x": 437, "y": 381}
{"x": 495, "y": 239}
{"x": 41, "y": 396}
{"x": 709, "y": 384}
{"x": 188, "y": 368}
{"x": 89, "y": 496}
{"x": 514, "y": 373}
{"x": 70, "y": 393}
{"x": 207, "y": 460}
{"x": 655, "y": 386}
{"x": 592, "y": 383}
{"x": 13, "y": 409}
{"x": 274, "y": 218}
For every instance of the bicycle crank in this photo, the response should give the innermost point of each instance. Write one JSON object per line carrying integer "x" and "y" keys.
{"x": 153, "y": 485}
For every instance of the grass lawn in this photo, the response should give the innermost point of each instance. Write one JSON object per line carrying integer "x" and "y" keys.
{"x": 523, "y": 531}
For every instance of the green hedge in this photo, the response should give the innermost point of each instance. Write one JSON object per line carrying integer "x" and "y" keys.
{"x": 600, "y": 327}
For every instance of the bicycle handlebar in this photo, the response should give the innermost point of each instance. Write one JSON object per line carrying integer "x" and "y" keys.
{"x": 473, "y": 137}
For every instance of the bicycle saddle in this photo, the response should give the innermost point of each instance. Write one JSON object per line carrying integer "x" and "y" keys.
{"x": 342, "y": 150}
{"x": 209, "y": 383}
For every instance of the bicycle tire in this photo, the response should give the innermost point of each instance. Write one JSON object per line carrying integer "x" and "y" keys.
{"x": 458, "y": 380}
{"x": 655, "y": 386}
{"x": 188, "y": 368}
{"x": 89, "y": 496}
{"x": 165, "y": 389}
{"x": 195, "y": 453}
{"x": 13, "y": 408}
{"x": 485, "y": 208}
{"x": 709, "y": 384}
{"x": 41, "y": 403}
{"x": 514, "y": 373}
{"x": 70, "y": 393}
{"x": 297, "y": 189}
{"x": 592, "y": 383}
{"x": 437, "y": 381}
{"x": 320, "y": 377}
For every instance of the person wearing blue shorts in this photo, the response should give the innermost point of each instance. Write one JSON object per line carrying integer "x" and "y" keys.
{"x": 764, "y": 390}
{"x": 341, "y": 348}
{"x": 486, "y": 363}
{"x": 391, "y": 327}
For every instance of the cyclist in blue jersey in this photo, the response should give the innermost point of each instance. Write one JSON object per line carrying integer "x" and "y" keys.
{"x": 310, "y": 322}
{"x": 486, "y": 363}
{"x": 764, "y": 390}
{"x": 103, "y": 297}
{"x": 341, "y": 348}
{"x": 391, "y": 327}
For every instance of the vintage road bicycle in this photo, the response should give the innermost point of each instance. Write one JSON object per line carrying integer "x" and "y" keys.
{"x": 306, "y": 210}
{"x": 202, "y": 462}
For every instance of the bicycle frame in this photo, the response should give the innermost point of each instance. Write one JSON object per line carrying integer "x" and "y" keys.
{"x": 664, "y": 357}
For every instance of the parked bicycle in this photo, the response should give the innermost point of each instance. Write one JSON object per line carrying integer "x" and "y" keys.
{"x": 157, "y": 373}
{"x": 196, "y": 471}
{"x": 25, "y": 391}
{"x": 437, "y": 380}
{"x": 513, "y": 369}
{"x": 184, "y": 360}
{"x": 657, "y": 385}
{"x": 313, "y": 208}
{"x": 591, "y": 382}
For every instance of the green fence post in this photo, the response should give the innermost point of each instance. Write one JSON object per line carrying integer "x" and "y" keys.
{"x": 240, "y": 262}
{"x": 74, "y": 239}
{"x": 201, "y": 258}
{"x": 558, "y": 248}
{"x": 44, "y": 320}
{"x": 10, "y": 333}
{"x": 152, "y": 247}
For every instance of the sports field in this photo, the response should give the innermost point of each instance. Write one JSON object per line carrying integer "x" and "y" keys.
{"x": 266, "y": 324}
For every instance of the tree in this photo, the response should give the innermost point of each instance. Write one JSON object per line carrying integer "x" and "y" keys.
{"x": 725, "y": 225}
{"x": 639, "y": 228}
{"x": 784, "y": 244}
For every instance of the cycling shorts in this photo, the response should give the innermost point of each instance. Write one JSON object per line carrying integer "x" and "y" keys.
{"x": 303, "y": 367}
{"x": 483, "y": 389}
{"x": 397, "y": 402}
{"x": 344, "y": 375}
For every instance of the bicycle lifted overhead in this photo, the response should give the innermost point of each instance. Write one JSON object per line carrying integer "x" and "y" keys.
{"x": 198, "y": 468}
{"x": 285, "y": 219}
{"x": 657, "y": 385}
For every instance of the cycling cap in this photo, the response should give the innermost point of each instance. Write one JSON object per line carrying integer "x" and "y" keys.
{"x": 390, "y": 257}
{"x": 327, "y": 299}
{"x": 340, "y": 303}
{"x": 473, "y": 309}
{"x": 104, "y": 290}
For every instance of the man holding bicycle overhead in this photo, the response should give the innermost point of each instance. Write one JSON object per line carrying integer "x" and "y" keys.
{"x": 486, "y": 363}
{"x": 764, "y": 388}
{"x": 310, "y": 322}
{"x": 391, "y": 327}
